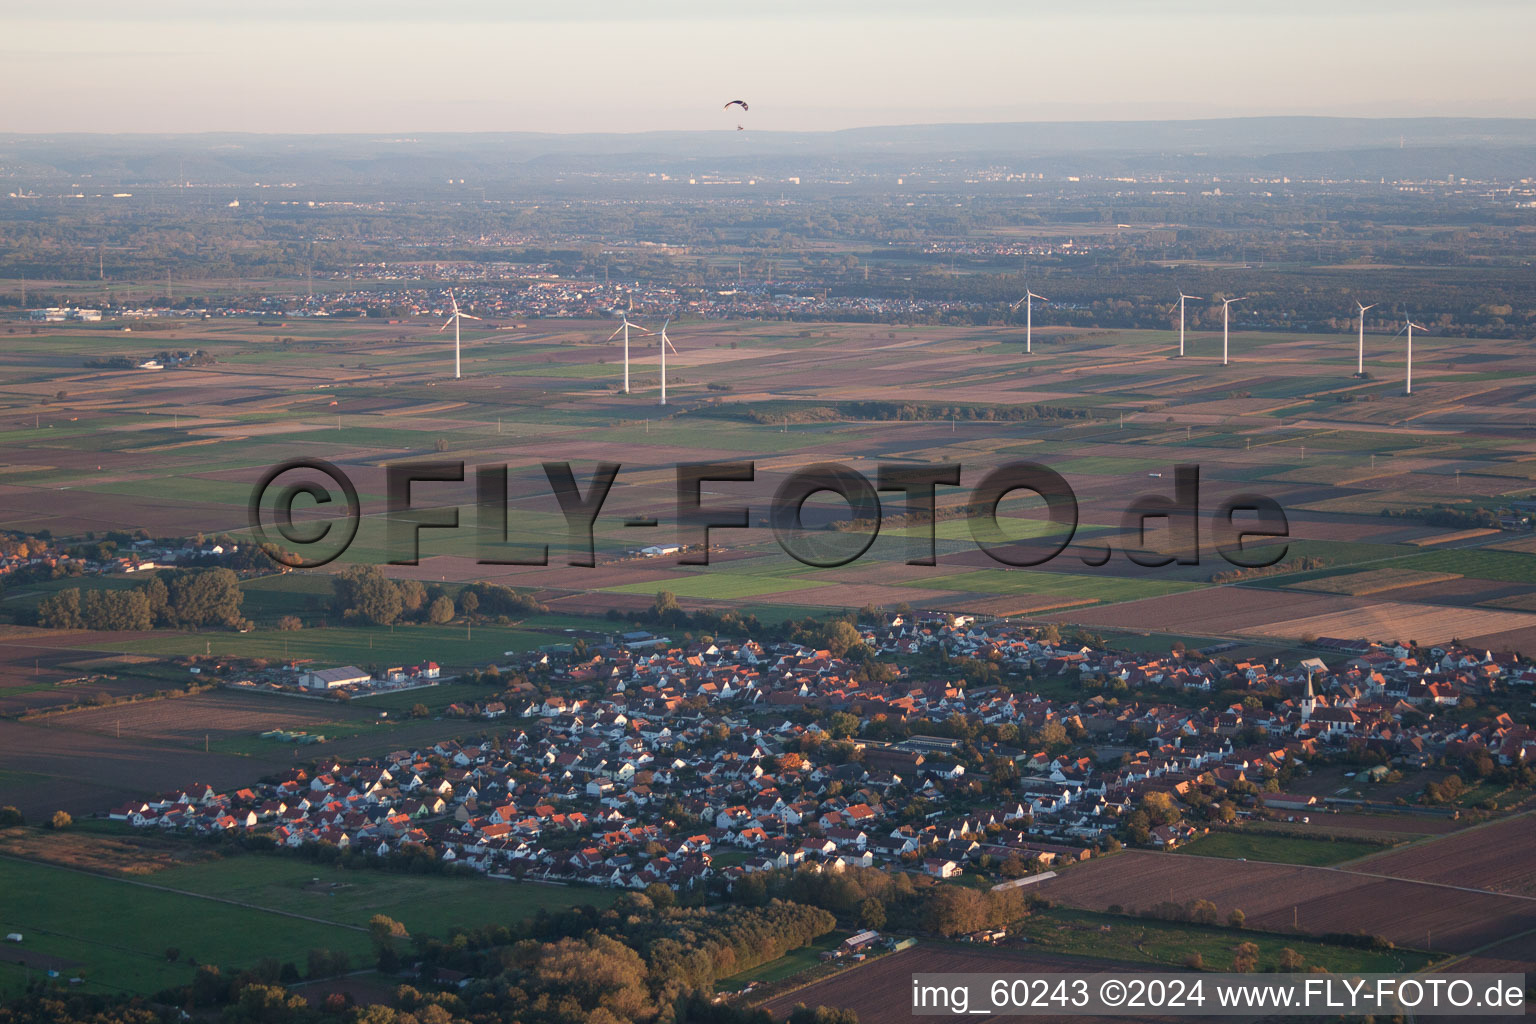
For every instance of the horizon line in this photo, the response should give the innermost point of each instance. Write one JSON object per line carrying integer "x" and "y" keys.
{"x": 1212, "y": 119}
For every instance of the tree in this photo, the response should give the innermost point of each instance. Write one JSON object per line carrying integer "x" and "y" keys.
{"x": 956, "y": 910}
{"x": 1053, "y": 735}
{"x": 413, "y": 597}
{"x": 10, "y": 816}
{"x": 1159, "y": 808}
{"x": 872, "y": 914}
{"x": 661, "y": 895}
{"x": 61, "y": 611}
{"x": 289, "y": 623}
{"x": 841, "y": 637}
{"x": 364, "y": 592}
{"x": 203, "y": 597}
{"x": 1245, "y": 958}
{"x": 440, "y": 611}
{"x": 420, "y": 711}
{"x": 1237, "y": 918}
{"x": 469, "y": 603}
{"x": 1290, "y": 960}
{"x": 842, "y": 725}
{"x": 60, "y": 820}
{"x": 381, "y": 926}
{"x": 1203, "y": 912}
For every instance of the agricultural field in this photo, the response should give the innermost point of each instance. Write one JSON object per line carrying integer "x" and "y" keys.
{"x": 1483, "y": 857}
{"x": 881, "y": 990}
{"x": 1310, "y": 900}
{"x": 176, "y": 453}
{"x": 422, "y": 903}
{"x": 234, "y": 911}
{"x": 1168, "y": 944}
{"x": 58, "y": 910}
{"x": 1373, "y": 581}
{"x": 186, "y": 721}
{"x": 1278, "y": 849}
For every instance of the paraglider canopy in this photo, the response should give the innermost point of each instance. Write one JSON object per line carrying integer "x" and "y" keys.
{"x": 737, "y": 103}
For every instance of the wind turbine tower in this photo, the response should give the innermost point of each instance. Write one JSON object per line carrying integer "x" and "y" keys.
{"x": 1226, "y": 312}
{"x": 1029, "y": 316}
{"x": 1182, "y": 297}
{"x": 1408, "y": 380}
{"x": 666, "y": 343}
{"x": 1360, "y": 359}
{"x": 625, "y": 331}
{"x": 454, "y": 319}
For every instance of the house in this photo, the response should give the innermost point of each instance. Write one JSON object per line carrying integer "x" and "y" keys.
{"x": 940, "y": 868}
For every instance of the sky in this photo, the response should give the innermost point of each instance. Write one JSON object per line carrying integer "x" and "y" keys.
{"x": 381, "y": 66}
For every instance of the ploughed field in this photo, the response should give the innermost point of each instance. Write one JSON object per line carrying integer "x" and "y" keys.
{"x": 882, "y": 989}
{"x": 1498, "y": 857}
{"x": 1314, "y": 900}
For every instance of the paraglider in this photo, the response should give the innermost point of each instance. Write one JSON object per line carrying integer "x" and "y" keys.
{"x": 737, "y": 103}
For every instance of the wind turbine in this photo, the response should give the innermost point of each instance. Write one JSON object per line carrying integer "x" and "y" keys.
{"x": 625, "y": 331}
{"x": 1226, "y": 306}
{"x": 454, "y": 319}
{"x": 666, "y": 343}
{"x": 1408, "y": 380}
{"x": 1029, "y": 315}
{"x": 1360, "y": 361}
{"x": 1182, "y": 297}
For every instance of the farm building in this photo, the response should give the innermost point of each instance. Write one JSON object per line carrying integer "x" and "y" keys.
{"x": 330, "y": 678}
{"x": 859, "y": 941}
{"x": 660, "y": 550}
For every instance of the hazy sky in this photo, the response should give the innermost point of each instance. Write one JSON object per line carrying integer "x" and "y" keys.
{"x": 388, "y": 66}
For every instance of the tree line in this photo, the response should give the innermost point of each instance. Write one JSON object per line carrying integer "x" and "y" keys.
{"x": 363, "y": 594}
{"x": 178, "y": 599}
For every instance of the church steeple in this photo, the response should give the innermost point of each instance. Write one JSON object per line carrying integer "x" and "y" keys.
{"x": 1309, "y": 700}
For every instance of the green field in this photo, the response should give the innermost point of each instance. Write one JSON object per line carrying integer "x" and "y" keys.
{"x": 115, "y": 933}
{"x": 1504, "y": 566}
{"x": 1055, "y": 584}
{"x": 423, "y": 903}
{"x": 715, "y": 586}
{"x": 436, "y": 698}
{"x": 1280, "y": 849}
{"x": 357, "y": 645}
{"x": 788, "y": 965}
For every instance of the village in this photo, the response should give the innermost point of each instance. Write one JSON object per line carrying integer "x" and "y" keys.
{"x": 701, "y": 763}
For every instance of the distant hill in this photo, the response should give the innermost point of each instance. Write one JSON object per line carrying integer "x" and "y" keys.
{"x": 1352, "y": 147}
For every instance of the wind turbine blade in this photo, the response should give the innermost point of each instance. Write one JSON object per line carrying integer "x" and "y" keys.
{"x": 466, "y": 316}
{"x": 616, "y": 333}
{"x": 454, "y": 301}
